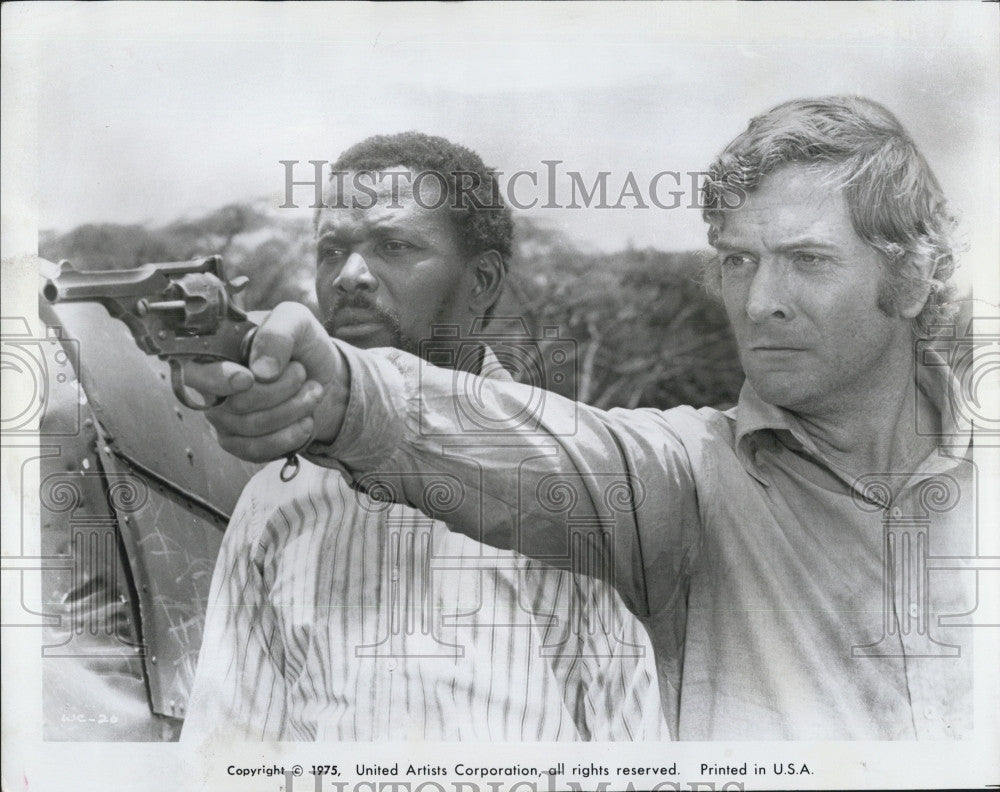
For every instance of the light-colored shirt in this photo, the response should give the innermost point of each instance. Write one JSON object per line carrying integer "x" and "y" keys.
{"x": 785, "y": 599}
{"x": 336, "y": 616}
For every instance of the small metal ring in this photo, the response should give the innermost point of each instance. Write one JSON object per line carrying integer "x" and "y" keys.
{"x": 290, "y": 469}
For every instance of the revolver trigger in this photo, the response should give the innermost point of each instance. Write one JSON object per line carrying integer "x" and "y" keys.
{"x": 180, "y": 390}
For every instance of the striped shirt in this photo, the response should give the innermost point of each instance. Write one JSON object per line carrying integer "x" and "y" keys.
{"x": 333, "y": 616}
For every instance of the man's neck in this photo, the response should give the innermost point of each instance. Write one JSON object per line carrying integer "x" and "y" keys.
{"x": 875, "y": 429}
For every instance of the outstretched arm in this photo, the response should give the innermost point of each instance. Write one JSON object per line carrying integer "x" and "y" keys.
{"x": 607, "y": 494}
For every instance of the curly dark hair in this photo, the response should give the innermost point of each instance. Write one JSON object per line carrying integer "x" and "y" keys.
{"x": 895, "y": 201}
{"x": 483, "y": 222}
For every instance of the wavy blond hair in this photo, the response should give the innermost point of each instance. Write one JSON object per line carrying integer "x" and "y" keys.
{"x": 896, "y": 203}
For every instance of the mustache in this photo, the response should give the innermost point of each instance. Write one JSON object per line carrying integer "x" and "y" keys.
{"x": 360, "y": 302}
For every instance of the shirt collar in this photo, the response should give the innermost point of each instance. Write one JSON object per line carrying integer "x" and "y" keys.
{"x": 492, "y": 368}
{"x": 760, "y": 422}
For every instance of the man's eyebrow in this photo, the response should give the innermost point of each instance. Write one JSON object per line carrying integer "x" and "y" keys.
{"x": 405, "y": 223}
{"x": 385, "y": 225}
{"x": 795, "y": 243}
{"x": 327, "y": 235}
{"x": 812, "y": 242}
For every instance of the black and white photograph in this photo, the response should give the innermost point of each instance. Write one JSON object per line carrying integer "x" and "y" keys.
{"x": 500, "y": 397}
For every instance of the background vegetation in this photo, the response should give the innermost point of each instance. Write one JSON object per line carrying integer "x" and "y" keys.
{"x": 643, "y": 331}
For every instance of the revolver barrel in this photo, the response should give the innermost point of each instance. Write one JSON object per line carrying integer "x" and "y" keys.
{"x": 148, "y": 279}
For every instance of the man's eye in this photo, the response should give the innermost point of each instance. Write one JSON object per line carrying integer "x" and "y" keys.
{"x": 807, "y": 259}
{"x": 395, "y": 246}
{"x": 735, "y": 260}
{"x": 330, "y": 253}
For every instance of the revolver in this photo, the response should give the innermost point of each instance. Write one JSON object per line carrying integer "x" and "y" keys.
{"x": 178, "y": 310}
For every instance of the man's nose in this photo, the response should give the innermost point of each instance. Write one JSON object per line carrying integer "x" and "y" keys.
{"x": 768, "y": 297}
{"x": 355, "y": 276}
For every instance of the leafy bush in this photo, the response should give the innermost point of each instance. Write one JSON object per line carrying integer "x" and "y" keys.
{"x": 645, "y": 333}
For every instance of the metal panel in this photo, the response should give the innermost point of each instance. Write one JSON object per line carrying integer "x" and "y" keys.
{"x": 93, "y": 683}
{"x": 130, "y": 395}
{"x": 170, "y": 489}
{"x": 171, "y": 549}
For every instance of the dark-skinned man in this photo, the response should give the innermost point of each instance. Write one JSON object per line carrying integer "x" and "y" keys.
{"x": 335, "y": 615}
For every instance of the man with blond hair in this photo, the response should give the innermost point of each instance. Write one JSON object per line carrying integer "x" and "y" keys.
{"x": 776, "y": 552}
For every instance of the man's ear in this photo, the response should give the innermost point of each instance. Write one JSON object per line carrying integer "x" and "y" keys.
{"x": 920, "y": 272}
{"x": 488, "y": 275}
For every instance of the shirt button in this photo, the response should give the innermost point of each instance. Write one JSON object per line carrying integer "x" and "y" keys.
{"x": 393, "y": 664}
{"x": 395, "y": 573}
{"x": 929, "y": 712}
{"x": 914, "y": 610}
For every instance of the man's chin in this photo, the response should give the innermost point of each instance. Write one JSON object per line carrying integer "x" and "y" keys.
{"x": 365, "y": 336}
{"x": 782, "y": 389}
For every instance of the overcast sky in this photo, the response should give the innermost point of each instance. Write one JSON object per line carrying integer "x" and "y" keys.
{"x": 147, "y": 112}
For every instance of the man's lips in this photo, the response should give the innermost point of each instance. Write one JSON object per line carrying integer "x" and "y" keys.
{"x": 354, "y": 322}
{"x": 353, "y": 316}
{"x": 358, "y": 330}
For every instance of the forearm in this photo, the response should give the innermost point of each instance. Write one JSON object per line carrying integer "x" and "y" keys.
{"x": 503, "y": 463}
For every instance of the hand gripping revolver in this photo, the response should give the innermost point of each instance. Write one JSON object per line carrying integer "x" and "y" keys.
{"x": 177, "y": 310}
